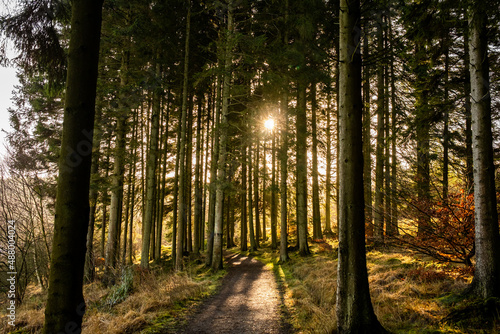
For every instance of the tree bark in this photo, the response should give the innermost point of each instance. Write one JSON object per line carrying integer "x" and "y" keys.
{"x": 253, "y": 244}
{"x": 317, "y": 233}
{"x": 65, "y": 303}
{"x": 487, "y": 241}
{"x": 274, "y": 208}
{"x": 244, "y": 223}
{"x": 367, "y": 146}
{"x": 284, "y": 176}
{"x": 94, "y": 179}
{"x": 378, "y": 216}
{"x": 354, "y": 309}
{"x": 198, "y": 202}
{"x": 224, "y": 125}
{"x": 256, "y": 191}
{"x": 181, "y": 215}
{"x": 301, "y": 169}
{"x": 151, "y": 167}
{"x": 115, "y": 209}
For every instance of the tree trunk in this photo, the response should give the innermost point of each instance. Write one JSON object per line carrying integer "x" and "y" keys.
{"x": 317, "y": 233}
{"x": 132, "y": 184}
{"x": 378, "y": 216}
{"x": 253, "y": 244}
{"x": 213, "y": 176}
{"x": 244, "y": 223}
{"x": 94, "y": 175}
{"x": 446, "y": 132}
{"x": 182, "y": 153}
{"x": 256, "y": 191}
{"x": 115, "y": 210}
{"x": 198, "y": 201}
{"x": 394, "y": 162}
{"x": 367, "y": 146}
{"x": 487, "y": 240}
{"x": 328, "y": 176}
{"x": 65, "y": 303}
{"x": 354, "y": 309}
{"x": 469, "y": 174}
{"x": 274, "y": 208}
{"x": 151, "y": 173}
{"x": 301, "y": 169}
{"x": 284, "y": 175}
{"x": 188, "y": 245}
{"x": 105, "y": 199}
{"x": 176, "y": 195}
{"x": 224, "y": 125}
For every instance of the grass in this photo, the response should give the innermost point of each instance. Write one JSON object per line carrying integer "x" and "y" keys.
{"x": 410, "y": 293}
{"x": 146, "y": 302}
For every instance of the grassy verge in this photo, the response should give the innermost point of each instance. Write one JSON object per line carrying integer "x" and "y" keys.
{"x": 410, "y": 293}
{"x": 156, "y": 301}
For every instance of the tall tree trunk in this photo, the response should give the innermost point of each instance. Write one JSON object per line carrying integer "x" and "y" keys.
{"x": 94, "y": 177}
{"x": 198, "y": 201}
{"x": 151, "y": 172}
{"x": 181, "y": 216}
{"x": 115, "y": 210}
{"x": 256, "y": 191}
{"x": 135, "y": 141}
{"x": 244, "y": 223}
{"x": 422, "y": 119}
{"x": 264, "y": 191}
{"x": 328, "y": 176}
{"x": 163, "y": 183}
{"x": 387, "y": 154}
{"x": 284, "y": 157}
{"x": 367, "y": 146}
{"x": 188, "y": 246}
{"x": 469, "y": 174}
{"x": 394, "y": 161}
{"x": 221, "y": 169}
{"x": 274, "y": 208}
{"x": 213, "y": 175}
{"x": 301, "y": 168}
{"x": 208, "y": 147}
{"x": 487, "y": 240}
{"x": 253, "y": 244}
{"x": 378, "y": 216}
{"x": 105, "y": 199}
{"x": 284, "y": 174}
{"x": 354, "y": 308}
{"x": 65, "y": 303}
{"x": 446, "y": 132}
{"x": 317, "y": 233}
{"x": 176, "y": 194}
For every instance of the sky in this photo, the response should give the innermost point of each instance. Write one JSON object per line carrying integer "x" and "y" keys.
{"x": 8, "y": 80}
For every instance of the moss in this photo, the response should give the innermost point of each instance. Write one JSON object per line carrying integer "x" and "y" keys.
{"x": 479, "y": 314}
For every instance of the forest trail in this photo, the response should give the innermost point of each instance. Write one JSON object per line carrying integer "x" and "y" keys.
{"x": 248, "y": 302}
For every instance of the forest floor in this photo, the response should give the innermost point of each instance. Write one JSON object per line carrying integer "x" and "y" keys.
{"x": 248, "y": 302}
{"x": 255, "y": 293}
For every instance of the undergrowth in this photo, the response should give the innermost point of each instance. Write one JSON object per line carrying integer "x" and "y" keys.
{"x": 153, "y": 301}
{"x": 410, "y": 293}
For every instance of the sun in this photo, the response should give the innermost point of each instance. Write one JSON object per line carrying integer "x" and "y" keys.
{"x": 269, "y": 124}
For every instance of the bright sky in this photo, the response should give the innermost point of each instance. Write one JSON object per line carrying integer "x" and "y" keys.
{"x": 7, "y": 82}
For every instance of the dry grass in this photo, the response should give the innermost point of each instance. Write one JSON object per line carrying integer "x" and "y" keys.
{"x": 154, "y": 296}
{"x": 407, "y": 290}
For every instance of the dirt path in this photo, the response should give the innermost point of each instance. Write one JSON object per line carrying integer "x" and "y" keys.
{"x": 247, "y": 303}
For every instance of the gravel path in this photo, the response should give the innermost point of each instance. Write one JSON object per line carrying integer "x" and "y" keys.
{"x": 248, "y": 302}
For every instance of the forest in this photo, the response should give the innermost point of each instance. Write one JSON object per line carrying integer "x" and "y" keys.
{"x": 315, "y": 166}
